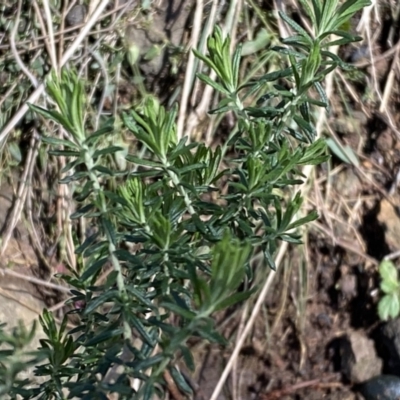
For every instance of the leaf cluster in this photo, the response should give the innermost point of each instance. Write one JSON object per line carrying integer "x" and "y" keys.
{"x": 389, "y": 304}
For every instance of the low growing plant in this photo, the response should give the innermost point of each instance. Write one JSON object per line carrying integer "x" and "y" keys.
{"x": 389, "y": 304}
{"x": 176, "y": 231}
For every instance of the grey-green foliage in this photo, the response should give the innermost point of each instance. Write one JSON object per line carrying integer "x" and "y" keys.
{"x": 192, "y": 253}
{"x": 14, "y": 359}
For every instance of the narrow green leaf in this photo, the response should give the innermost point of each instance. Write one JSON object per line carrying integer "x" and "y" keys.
{"x": 270, "y": 261}
{"x": 301, "y": 221}
{"x": 96, "y": 302}
{"x": 273, "y": 76}
{"x": 211, "y": 335}
{"x": 142, "y": 161}
{"x": 343, "y": 152}
{"x": 140, "y": 295}
{"x": 328, "y": 15}
{"x": 316, "y": 102}
{"x": 315, "y": 13}
{"x": 109, "y": 229}
{"x": 183, "y": 312}
{"x": 236, "y": 65}
{"x": 303, "y": 124}
{"x": 187, "y": 357}
{"x": 206, "y": 79}
{"x": 54, "y": 116}
{"x": 137, "y": 324}
{"x": 59, "y": 142}
{"x": 232, "y": 300}
{"x": 148, "y": 393}
{"x": 296, "y": 41}
{"x": 205, "y": 59}
{"x": 77, "y": 108}
{"x": 103, "y": 336}
{"x": 342, "y": 42}
{"x": 180, "y": 381}
{"x": 147, "y": 363}
{"x": 82, "y": 211}
{"x": 94, "y": 269}
{"x": 294, "y": 25}
{"x": 349, "y": 8}
{"x": 190, "y": 168}
{"x": 103, "y": 170}
{"x": 64, "y": 153}
{"x": 107, "y": 150}
{"x": 108, "y": 127}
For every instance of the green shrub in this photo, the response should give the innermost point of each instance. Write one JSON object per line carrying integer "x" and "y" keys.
{"x": 192, "y": 254}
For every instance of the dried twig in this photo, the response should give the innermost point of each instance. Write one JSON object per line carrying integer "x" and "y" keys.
{"x": 189, "y": 75}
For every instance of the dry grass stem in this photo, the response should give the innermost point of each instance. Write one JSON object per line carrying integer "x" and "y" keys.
{"x": 34, "y": 280}
{"x": 14, "y": 50}
{"x": 190, "y": 70}
{"x": 40, "y": 89}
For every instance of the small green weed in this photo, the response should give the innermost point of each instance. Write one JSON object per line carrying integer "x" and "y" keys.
{"x": 389, "y": 304}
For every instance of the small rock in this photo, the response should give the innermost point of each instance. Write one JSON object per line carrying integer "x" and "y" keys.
{"x": 382, "y": 387}
{"x": 359, "y": 361}
{"x": 361, "y": 54}
{"x": 348, "y": 286}
{"x": 348, "y": 184}
{"x": 389, "y": 219}
{"x": 324, "y": 321}
{"x": 76, "y": 15}
{"x": 385, "y": 141}
{"x": 341, "y": 395}
{"x": 390, "y": 340}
